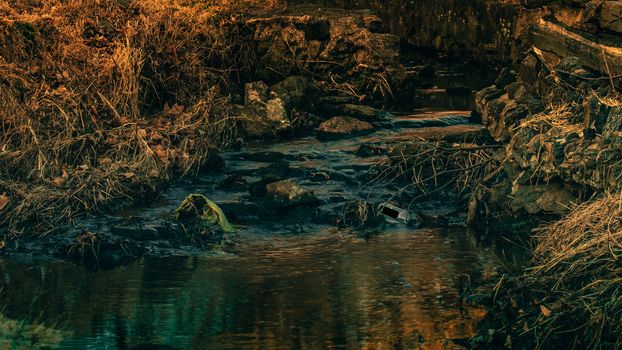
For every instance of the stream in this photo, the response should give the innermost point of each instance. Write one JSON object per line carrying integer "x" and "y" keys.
{"x": 294, "y": 280}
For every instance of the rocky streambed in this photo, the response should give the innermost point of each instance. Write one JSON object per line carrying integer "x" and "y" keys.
{"x": 349, "y": 147}
{"x": 303, "y": 260}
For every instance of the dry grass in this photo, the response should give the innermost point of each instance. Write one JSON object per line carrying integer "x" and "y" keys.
{"x": 106, "y": 100}
{"x": 559, "y": 116}
{"x": 430, "y": 167}
{"x": 579, "y": 260}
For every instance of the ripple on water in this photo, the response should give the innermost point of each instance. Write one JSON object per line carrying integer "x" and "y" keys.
{"x": 328, "y": 290}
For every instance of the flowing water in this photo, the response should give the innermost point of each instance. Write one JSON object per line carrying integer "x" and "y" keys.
{"x": 286, "y": 285}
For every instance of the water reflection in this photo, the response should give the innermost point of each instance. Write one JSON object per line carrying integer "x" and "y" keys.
{"x": 398, "y": 290}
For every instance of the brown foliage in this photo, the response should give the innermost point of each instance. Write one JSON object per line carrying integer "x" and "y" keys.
{"x": 86, "y": 88}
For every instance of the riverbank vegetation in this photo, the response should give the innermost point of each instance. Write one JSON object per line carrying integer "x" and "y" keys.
{"x": 103, "y": 100}
{"x": 21, "y": 335}
{"x": 577, "y": 262}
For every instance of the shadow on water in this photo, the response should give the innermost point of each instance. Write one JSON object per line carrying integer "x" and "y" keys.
{"x": 397, "y": 290}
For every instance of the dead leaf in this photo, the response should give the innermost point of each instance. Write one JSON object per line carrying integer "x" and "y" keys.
{"x": 59, "y": 181}
{"x": 104, "y": 161}
{"x": 176, "y": 109}
{"x": 161, "y": 153}
{"x": 545, "y": 311}
{"x": 83, "y": 167}
{"x": 154, "y": 173}
{"x": 129, "y": 175}
{"x": 4, "y": 200}
{"x": 156, "y": 136}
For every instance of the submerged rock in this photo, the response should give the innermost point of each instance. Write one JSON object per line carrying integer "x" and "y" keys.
{"x": 341, "y": 126}
{"x": 233, "y": 182}
{"x": 360, "y": 111}
{"x": 287, "y": 194}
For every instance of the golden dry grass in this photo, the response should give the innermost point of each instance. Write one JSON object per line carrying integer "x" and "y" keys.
{"x": 106, "y": 100}
{"x": 579, "y": 261}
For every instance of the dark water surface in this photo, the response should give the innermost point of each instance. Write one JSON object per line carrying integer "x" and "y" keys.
{"x": 285, "y": 285}
{"x": 397, "y": 290}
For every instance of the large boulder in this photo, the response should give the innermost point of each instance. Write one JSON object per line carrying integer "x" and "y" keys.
{"x": 262, "y": 120}
{"x": 294, "y": 91}
{"x": 341, "y": 126}
{"x": 262, "y": 116}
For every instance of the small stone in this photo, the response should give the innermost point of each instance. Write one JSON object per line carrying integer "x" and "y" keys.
{"x": 360, "y": 111}
{"x": 287, "y": 194}
{"x": 338, "y": 127}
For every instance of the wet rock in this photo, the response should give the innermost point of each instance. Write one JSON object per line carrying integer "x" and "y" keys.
{"x": 259, "y": 188}
{"x": 263, "y": 120}
{"x": 233, "y": 182}
{"x": 276, "y": 113}
{"x": 341, "y": 126}
{"x": 336, "y": 100}
{"x": 503, "y": 109}
{"x": 528, "y": 69}
{"x": 288, "y": 194}
{"x": 484, "y": 96}
{"x": 255, "y": 92}
{"x": 367, "y": 150}
{"x": 360, "y": 111}
{"x": 279, "y": 169}
{"x": 264, "y": 156}
{"x": 304, "y": 121}
{"x": 294, "y": 91}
